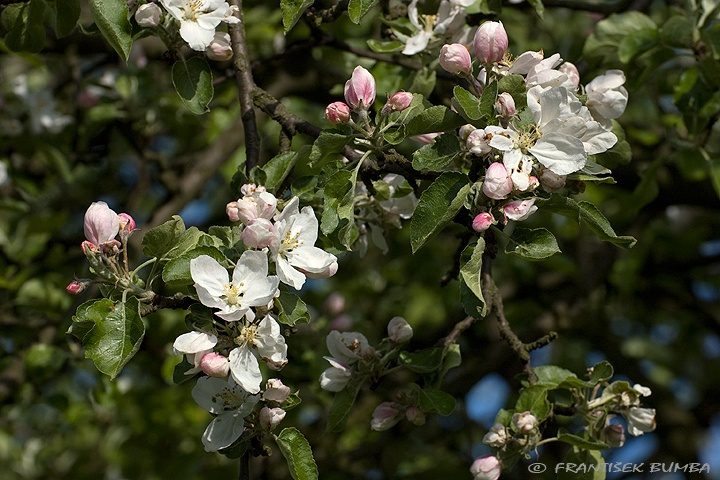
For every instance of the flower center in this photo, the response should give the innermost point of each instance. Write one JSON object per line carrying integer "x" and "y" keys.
{"x": 290, "y": 241}
{"x": 248, "y": 334}
{"x": 233, "y": 293}
{"x": 193, "y": 8}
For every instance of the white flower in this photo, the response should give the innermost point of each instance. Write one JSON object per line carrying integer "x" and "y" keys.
{"x": 335, "y": 378}
{"x": 607, "y": 98}
{"x": 399, "y": 330}
{"x": 497, "y": 436}
{"x": 266, "y": 338}
{"x": 271, "y": 417}
{"x": 230, "y": 403}
{"x": 101, "y": 224}
{"x": 250, "y": 285}
{"x": 293, "y": 250}
{"x": 404, "y": 206}
{"x": 194, "y": 345}
{"x": 386, "y": 415}
{"x": 450, "y": 19}
{"x": 199, "y": 19}
{"x": 519, "y": 210}
{"x": 347, "y": 347}
{"x": 276, "y": 391}
{"x": 148, "y": 15}
{"x": 640, "y": 420}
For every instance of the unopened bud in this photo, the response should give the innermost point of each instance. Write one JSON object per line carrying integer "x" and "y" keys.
{"x": 337, "y": 112}
{"x": 78, "y": 286}
{"x": 486, "y": 468}
{"x": 259, "y": 233}
{"x": 477, "y": 142}
{"x": 215, "y": 365}
{"x": 505, "y": 105}
{"x": 101, "y": 223}
{"x": 276, "y": 391}
{"x": 520, "y": 209}
{"x": 490, "y": 42}
{"x": 483, "y": 221}
{"x": 127, "y": 225}
{"x": 497, "y": 436}
{"x": 271, "y": 417}
{"x": 360, "y": 89}
{"x": 525, "y": 422}
{"x": 399, "y": 330}
{"x": 148, "y": 15}
{"x": 465, "y": 131}
{"x": 232, "y": 211}
{"x": 397, "y": 102}
{"x": 455, "y": 58}
{"x": 385, "y": 416}
{"x": 88, "y": 248}
{"x": 614, "y": 435}
{"x": 415, "y": 415}
{"x": 551, "y": 180}
{"x": 220, "y": 48}
{"x": 497, "y": 183}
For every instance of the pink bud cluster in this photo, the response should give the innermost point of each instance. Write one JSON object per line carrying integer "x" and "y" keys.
{"x": 102, "y": 225}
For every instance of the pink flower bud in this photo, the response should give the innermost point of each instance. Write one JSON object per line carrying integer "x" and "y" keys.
{"x": 415, "y": 415}
{"x": 232, "y": 210}
{"x": 477, "y": 142}
{"x": 215, "y": 365}
{"x": 426, "y": 138}
{"x": 259, "y": 233}
{"x": 219, "y": 49}
{"x": 483, "y": 221}
{"x": 258, "y": 205}
{"x": 497, "y": 184}
{"x": 385, "y": 416}
{"x": 360, "y": 89}
{"x": 127, "y": 223}
{"x": 148, "y": 15}
{"x": 465, "y": 131}
{"x": 398, "y": 102}
{"x": 571, "y": 71}
{"x": 250, "y": 189}
{"x": 505, "y": 105}
{"x": 276, "y": 391}
{"x": 399, "y": 330}
{"x": 525, "y": 422}
{"x": 78, "y": 286}
{"x": 88, "y": 247}
{"x": 614, "y": 435}
{"x": 519, "y": 209}
{"x": 486, "y": 468}
{"x": 337, "y": 112}
{"x": 271, "y": 417}
{"x": 101, "y": 224}
{"x": 490, "y": 42}
{"x": 455, "y": 58}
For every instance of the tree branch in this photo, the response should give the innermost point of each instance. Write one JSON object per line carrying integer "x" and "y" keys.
{"x": 245, "y": 84}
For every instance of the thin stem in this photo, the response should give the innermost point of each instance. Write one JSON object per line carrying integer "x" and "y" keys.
{"x": 244, "y": 466}
{"x": 245, "y": 83}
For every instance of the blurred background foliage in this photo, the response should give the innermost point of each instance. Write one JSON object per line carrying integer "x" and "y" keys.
{"x": 79, "y": 126}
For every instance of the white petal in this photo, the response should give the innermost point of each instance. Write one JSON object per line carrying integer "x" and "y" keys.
{"x": 252, "y": 266}
{"x": 194, "y": 342}
{"x": 197, "y": 37}
{"x": 561, "y": 154}
{"x": 245, "y": 369}
{"x": 417, "y": 43}
{"x": 288, "y": 275}
{"x": 207, "y": 393}
{"x": 310, "y": 259}
{"x": 223, "y": 431}
{"x": 209, "y": 274}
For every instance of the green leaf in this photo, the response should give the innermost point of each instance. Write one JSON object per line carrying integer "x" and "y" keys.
{"x": 438, "y": 154}
{"x": 24, "y": 23}
{"x": 170, "y": 239}
{"x": 437, "y": 206}
{"x": 292, "y": 10}
{"x": 532, "y": 244}
{"x": 471, "y": 273}
{"x": 177, "y": 270}
{"x": 111, "y": 18}
{"x": 293, "y": 400}
{"x": 359, "y": 8}
{"x": 82, "y": 321}
{"x": 432, "y": 400}
{"x": 551, "y": 376}
{"x": 602, "y": 372}
{"x": 339, "y": 207}
{"x": 581, "y": 442}
{"x": 200, "y": 318}
{"x": 193, "y": 81}
{"x": 488, "y": 99}
{"x": 434, "y": 119}
{"x": 327, "y": 143}
{"x": 637, "y": 43}
{"x": 514, "y": 85}
{"x": 452, "y": 359}
{"x": 292, "y": 309}
{"x": 424, "y": 81}
{"x": 116, "y": 336}
{"x": 67, "y": 14}
{"x": 276, "y": 169}
{"x": 424, "y": 361}
{"x": 591, "y": 463}
{"x": 180, "y": 369}
{"x": 296, "y": 450}
{"x": 386, "y": 47}
{"x": 467, "y": 103}
{"x": 538, "y": 6}
{"x": 677, "y": 32}
{"x": 533, "y": 399}
{"x": 342, "y": 403}
{"x": 585, "y": 213}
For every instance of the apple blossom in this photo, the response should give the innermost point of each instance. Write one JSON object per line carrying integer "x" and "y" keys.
{"x": 644, "y": 391}
{"x": 276, "y": 391}
{"x": 640, "y": 420}
{"x": 477, "y": 142}
{"x": 258, "y": 233}
{"x": 199, "y": 19}
{"x": 250, "y": 285}
{"x": 256, "y": 204}
{"x": 215, "y": 365}
{"x": 101, "y": 224}
{"x": 148, "y": 15}
{"x": 455, "y": 58}
{"x": 347, "y": 347}
{"x": 337, "y": 112}
{"x": 486, "y": 468}
{"x": 571, "y": 71}
{"x": 271, "y": 417}
{"x": 399, "y": 330}
{"x": 230, "y": 403}
{"x": 520, "y": 209}
{"x": 293, "y": 249}
{"x": 483, "y": 221}
{"x": 525, "y": 422}
{"x": 220, "y": 49}
{"x": 335, "y": 378}
{"x": 524, "y": 62}
{"x": 497, "y": 183}
{"x": 397, "y": 102}
{"x": 449, "y": 21}
{"x": 195, "y": 345}
{"x": 505, "y": 105}
{"x": 490, "y": 42}
{"x": 497, "y": 436}
{"x": 606, "y": 96}
{"x": 386, "y": 415}
{"x": 360, "y": 89}
{"x": 266, "y": 338}
{"x": 403, "y": 206}
{"x": 415, "y": 415}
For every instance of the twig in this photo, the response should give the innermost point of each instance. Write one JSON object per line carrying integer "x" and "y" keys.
{"x": 244, "y": 466}
{"x": 245, "y": 83}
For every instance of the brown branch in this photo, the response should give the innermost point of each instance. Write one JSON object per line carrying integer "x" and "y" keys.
{"x": 290, "y": 122}
{"x": 245, "y": 84}
{"x": 317, "y": 17}
{"x": 178, "y": 301}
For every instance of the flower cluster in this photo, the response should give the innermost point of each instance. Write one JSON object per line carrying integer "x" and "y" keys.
{"x": 543, "y": 144}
